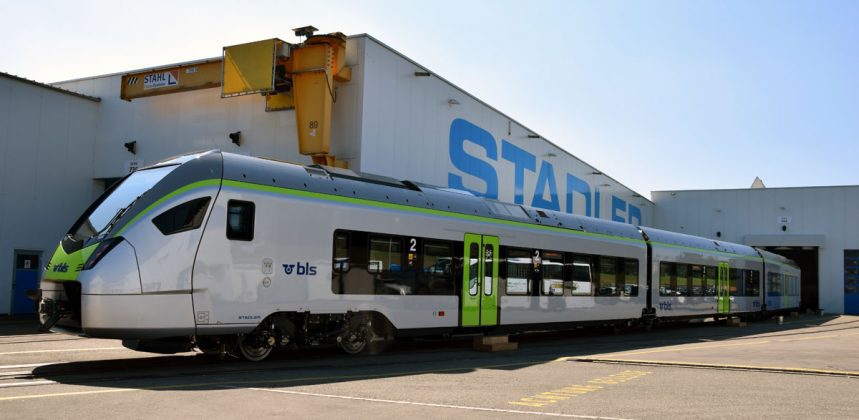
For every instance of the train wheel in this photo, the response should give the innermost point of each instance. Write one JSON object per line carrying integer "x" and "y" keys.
{"x": 255, "y": 348}
{"x": 360, "y": 336}
{"x": 355, "y": 341}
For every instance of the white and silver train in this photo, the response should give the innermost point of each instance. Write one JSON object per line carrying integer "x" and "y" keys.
{"x": 234, "y": 254}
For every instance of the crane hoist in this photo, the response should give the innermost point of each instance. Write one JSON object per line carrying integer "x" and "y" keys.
{"x": 300, "y": 76}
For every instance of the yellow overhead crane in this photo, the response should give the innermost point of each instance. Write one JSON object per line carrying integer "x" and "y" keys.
{"x": 290, "y": 76}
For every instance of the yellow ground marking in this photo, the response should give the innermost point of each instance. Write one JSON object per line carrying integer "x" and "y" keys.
{"x": 451, "y": 406}
{"x": 562, "y": 394}
{"x": 692, "y": 347}
{"x": 719, "y": 366}
{"x": 818, "y": 337}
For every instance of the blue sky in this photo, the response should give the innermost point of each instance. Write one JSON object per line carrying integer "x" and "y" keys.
{"x": 659, "y": 95}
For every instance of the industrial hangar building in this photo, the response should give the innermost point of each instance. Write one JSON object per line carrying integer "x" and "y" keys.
{"x": 62, "y": 144}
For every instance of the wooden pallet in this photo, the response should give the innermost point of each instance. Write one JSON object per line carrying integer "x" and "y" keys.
{"x": 494, "y": 343}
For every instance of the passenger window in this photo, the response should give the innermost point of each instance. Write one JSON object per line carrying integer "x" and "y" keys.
{"x": 518, "y": 272}
{"x": 710, "y": 275}
{"x": 734, "y": 283}
{"x": 667, "y": 279}
{"x": 553, "y": 273}
{"x": 630, "y": 275}
{"x": 489, "y": 255}
{"x": 581, "y": 276}
{"x": 240, "y": 220}
{"x": 608, "y": 277}
{"x": 438, "y": 270}
{"x": 341, "y": 252}
{"x": 184, "y": 217}
{"x": 752, "y": 283}
{"x": 385, "y": 255}
{"x": 682, "y": 280}
{"x": 697, "y": 281}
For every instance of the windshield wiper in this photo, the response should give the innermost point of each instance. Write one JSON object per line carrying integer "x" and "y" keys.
{"x": 119, "y": 213}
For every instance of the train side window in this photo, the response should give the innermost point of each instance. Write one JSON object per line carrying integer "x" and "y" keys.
{"x": 681, "y": 287}
{"x": 240, "y": 220}
{"x": 752, "y": 283}
{"x": 341, "y": 252}
{"x": 581, "y": 276}
{"x": 518, "y": 272}
{"x": 774, "y": 288}
{"x": 697, "y": 281}
{"x": 710, "y": 275}
{"x": 608, "y": 276}
{"x": 184, "y": 217}
{"x": 552, "y": 270}
{"x": 734, "y": 283}
{"x": 385, "y": 254}
{"x": 437, "y": 273}
{"x": 630, "y": 277}
{"x": 667, "y": 279}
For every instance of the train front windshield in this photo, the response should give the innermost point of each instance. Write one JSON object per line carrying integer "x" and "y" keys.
{"x": 119, "y": 200}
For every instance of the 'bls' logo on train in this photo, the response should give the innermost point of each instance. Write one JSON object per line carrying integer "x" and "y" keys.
{"x": 299, "y": 269}
{"x": 61, "y": 268}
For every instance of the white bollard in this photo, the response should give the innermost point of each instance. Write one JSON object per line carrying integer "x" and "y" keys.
{"x": 780, "y": 319}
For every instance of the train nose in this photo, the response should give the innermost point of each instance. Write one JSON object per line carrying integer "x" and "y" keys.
{"x": 111, "y": 270}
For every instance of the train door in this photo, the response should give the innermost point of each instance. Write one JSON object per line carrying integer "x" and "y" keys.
{"x": 479, "y": 281}
{"x": 723, "y": 291}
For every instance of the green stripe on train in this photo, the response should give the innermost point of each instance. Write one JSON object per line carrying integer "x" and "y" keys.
{"x": 410, "y": 209}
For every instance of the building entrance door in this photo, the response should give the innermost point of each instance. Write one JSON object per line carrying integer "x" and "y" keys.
{"x": 25, "y": 278}
{"x": 806, "y": 257}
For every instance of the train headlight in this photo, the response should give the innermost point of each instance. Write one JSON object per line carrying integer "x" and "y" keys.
{"x": 101, "y": 250}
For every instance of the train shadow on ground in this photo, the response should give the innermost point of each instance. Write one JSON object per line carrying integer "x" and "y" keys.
{"x": 19, "y": 325}
{"x": 403, "y": 358}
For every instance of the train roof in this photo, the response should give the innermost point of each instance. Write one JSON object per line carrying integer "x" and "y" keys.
{"x": 664, "y": 237}
{"x": 771, "y": 258}
{"x": 352, "y": 184}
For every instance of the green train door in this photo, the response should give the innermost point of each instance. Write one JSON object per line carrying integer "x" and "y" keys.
{"x": 723, "y": 289}
{"x": 480, "y": 281}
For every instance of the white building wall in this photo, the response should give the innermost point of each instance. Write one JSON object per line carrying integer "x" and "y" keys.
{"x": 46, "y": 158}
{"x": 824, "y": 215}
{"x": 422, "y": 128}
{"x": 386, "y": 121}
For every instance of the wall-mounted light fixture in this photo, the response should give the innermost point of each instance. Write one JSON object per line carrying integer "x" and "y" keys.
{"x": 236, "y": 138}
{"x": 452, "y": 102}
{"x": 596, "y": 173}
{"x": 422, "y": 74}
{"x": 533, "y": 136}
{"x": 131, "y": 147}
{"x": 550, "y": 155}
